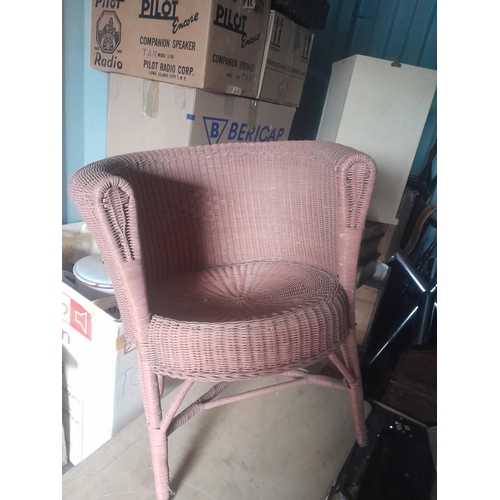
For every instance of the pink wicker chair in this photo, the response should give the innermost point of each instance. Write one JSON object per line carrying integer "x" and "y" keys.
{"x": 230, "y": 262}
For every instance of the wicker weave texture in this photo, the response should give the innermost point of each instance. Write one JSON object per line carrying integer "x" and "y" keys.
{"x": 231, "y": 261}
{"x": 161, "y": 213}
{"x": 245, "y": 320}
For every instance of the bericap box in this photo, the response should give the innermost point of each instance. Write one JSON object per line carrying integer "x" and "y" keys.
{"x": 145, "y": 115}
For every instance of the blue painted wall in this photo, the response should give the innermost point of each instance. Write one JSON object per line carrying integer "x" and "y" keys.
{"x": 85, "y": 98}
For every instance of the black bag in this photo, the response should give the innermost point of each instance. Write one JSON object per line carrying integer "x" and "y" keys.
{"x": 310, "y": 14}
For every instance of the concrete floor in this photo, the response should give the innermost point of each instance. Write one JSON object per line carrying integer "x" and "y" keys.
{"x": 290, "y": 444}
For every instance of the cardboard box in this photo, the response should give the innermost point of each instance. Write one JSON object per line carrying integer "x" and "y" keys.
{"x": 145, "y": 115}
{"x": 211, "y": 44}
{"x": 101, "y": 393}
{"x": 286, "y": 58}
{"x": 379, "y": 108}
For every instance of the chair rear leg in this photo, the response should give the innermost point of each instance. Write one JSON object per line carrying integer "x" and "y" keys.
{"x": 358, "y": 412}
{"x": 356, "y": 389}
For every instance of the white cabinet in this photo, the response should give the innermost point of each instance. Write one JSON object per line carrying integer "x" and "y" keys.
{"x": 380, "y": 110}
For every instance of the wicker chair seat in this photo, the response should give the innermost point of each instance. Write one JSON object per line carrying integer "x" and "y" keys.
{"x": 245, "y": 320}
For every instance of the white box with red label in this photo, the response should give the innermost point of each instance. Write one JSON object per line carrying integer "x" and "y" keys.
{"x": 101, "y": 392}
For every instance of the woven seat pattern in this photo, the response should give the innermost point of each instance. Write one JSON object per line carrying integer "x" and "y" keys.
{"x": 245, "y": 320}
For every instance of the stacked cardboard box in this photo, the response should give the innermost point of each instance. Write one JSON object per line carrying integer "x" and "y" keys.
{"x": 286, "y": 58}
{"x": 182, "y": 73}
{"x": 145, "y": 115}
{"x": 215, "y": 45}
{"x": 191, "y": 72}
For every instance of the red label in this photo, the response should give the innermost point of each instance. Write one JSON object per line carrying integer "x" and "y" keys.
{"x": 80, "y": 320}
{"x": 77, "y": 317}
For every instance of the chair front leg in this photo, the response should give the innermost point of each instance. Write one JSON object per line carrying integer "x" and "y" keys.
{"x": 158, "y": 443}
{"x": 151, "y": 395}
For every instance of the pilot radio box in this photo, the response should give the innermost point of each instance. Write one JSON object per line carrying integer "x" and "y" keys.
{"x": 217, "y": 45}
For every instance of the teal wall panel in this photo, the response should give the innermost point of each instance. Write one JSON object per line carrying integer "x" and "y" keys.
{"x": 364, "y": 27}
{"x": 387, "y": 29}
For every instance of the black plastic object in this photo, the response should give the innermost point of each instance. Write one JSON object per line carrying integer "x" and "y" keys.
{"x": 397, "y": 464}
{"x": 310, "y": 14}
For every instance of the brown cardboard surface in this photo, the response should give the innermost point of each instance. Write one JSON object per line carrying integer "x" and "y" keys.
{"x": 214, "y": 44}
{"x": 286, "y": 58}
{"x": 145, "y": 115}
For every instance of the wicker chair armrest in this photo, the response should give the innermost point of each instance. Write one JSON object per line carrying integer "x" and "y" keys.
{"x": 115, "y": 208}
{"x": 355, "y": 180}
{"x": 107, "y": 203}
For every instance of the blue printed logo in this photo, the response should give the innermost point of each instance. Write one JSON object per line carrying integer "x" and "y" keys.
{"x": 214, "y": 127}
{"x": 240, "y": 132}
